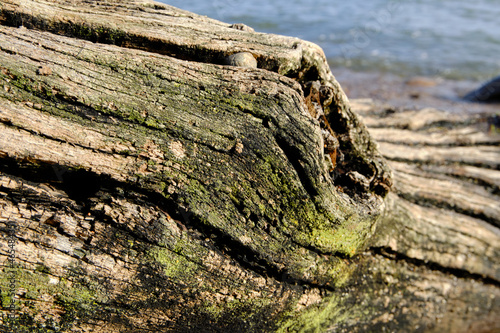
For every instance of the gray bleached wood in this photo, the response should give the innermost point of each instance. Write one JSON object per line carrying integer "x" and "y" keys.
{"x": 156, "y": 189}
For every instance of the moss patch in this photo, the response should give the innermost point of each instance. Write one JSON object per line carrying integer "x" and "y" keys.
{"x": 61, "y": 301}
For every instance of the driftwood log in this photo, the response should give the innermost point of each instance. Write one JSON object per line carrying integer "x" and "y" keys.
{"x": 147, "y": 186}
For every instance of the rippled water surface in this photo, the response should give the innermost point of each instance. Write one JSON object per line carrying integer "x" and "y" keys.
{"x": 455, "y": 39}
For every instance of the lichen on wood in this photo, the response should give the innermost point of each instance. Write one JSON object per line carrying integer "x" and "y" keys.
{"x": 154, "y": 187}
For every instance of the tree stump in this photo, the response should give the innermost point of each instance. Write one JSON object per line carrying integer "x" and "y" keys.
{"x": 148, "y": 186}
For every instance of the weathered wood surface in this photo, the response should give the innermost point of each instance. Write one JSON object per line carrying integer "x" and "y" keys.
{"x": 446, "y": 177}
{"x": 155, "y": 189}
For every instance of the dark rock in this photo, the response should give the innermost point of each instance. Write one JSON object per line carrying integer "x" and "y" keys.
{"x": 488, "y": 93}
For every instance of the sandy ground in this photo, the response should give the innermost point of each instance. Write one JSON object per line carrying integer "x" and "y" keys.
{"x": 412, "y": 92}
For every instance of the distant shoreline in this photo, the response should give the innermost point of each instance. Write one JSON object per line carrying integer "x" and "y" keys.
{"x": 413, "y": 92}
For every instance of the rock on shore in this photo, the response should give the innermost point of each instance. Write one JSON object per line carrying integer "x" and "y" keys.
{"x": 487, "y": 93}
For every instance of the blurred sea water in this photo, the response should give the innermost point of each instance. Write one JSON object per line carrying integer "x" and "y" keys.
{"x": 453, "y": 39}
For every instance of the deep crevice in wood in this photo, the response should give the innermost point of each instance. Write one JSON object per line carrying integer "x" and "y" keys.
{"x": 428, "y": 202}
{"x": 105, "y": 35}
{"x": 76, "y": 182}
{"x": 199, "y": 217}
{"x": 459, "y": 273}
{"x": 441, "y": 163}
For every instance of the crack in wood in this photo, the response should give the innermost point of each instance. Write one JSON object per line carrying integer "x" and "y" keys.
{"x": 459, "y": 273}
